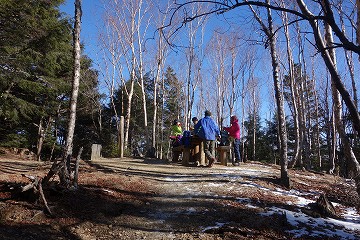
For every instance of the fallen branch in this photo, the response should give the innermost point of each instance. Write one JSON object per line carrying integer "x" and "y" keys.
{"x": 36, "y": 185}
{"x": 33, "y": 184}
{"x": 43, "y": 197}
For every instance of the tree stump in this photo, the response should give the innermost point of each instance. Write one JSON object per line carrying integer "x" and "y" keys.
{"x": 321, "y": 208}
{"x": 325, "y": 207}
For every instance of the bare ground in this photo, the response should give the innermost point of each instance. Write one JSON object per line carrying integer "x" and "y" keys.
{"x": 153, "y": 199}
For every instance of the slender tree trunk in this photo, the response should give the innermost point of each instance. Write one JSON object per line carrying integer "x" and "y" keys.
{"x": 140, "y": 28}
{"x": 358, "y": 22}
{"x": 307, "y": 115}
{"x": 40, "y": 140}
{"x": 41, "y": 136}
{"x": 128, "y": 110}
{"x": 157, "y": 129}
{"x": 56, "y": 133}
{"x": 254, "y": 126}
{"x": 336, "y": 83}
{"x": 65, "y": 178}
{"x": 159, "y": 66}
{"x": 280, "y": 106}
{"x": 243, "y": 116}
{"x": 337, "y": 106}
{"x": 317, "y": 118}
{"x": 157, "y": 78}
{"x": 333, "y": 142}
{"x": 292, "y": 90}
{"x": 162, "y": 139}
{"x": 285, "y": 179}
{"x": 349, "y": 62}
{"x": 190, "y": 60}
{"x": 299, "y": 98}
{"x": 304, "y": 112}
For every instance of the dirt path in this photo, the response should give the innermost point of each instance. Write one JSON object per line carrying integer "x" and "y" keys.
{"x": 152, "y": 199}
{"x": 191, "y": 202}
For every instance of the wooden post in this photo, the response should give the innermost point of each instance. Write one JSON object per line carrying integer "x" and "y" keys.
{"x": 121, "y": 137}
{"x": 186, "y": 156}
{"x": 196, "y": 153}
{"x": 203, "y": 160}
{"x": 223, "y": 150}
{"x": 95, "y": 151}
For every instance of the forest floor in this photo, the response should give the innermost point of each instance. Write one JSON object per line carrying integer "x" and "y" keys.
{"x": 153, "y": 199}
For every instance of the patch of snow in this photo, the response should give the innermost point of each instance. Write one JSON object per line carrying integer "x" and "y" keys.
{"x": 191, "y": 211}
{"x": 352, "y": 215}
{"x": 305, "y": 176}
{"x": 323, "y": 227}
{"x": 217, "y": 225}
{"x": 304, "y": 183}
{"x": 247, "y": 202}
{"x": 107, "y": 190}
{"x": 251, "y": 206}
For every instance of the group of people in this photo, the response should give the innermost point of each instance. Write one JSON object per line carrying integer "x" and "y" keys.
{"x": 207, "y": 129}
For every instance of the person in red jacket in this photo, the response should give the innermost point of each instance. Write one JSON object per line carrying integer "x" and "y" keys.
{"x": 234, "y": 132}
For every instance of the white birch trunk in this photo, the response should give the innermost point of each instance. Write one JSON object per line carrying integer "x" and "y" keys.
{"x": 292, "y": 89}
{"x": 74, "y": 94}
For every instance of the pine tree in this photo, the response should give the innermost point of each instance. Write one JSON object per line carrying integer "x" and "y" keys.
{"x": 36, "y": 62}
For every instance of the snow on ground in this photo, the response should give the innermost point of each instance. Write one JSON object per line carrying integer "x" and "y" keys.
{"x": 329, "y": 227}
{"x": 303, "y": 225}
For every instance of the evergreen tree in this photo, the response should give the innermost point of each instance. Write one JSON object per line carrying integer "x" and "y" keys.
{"x": 174, "y": 97}
{"x": 251, "y": 148}
{"x": 36, "y": 62}
{"x": 35, "y": 80}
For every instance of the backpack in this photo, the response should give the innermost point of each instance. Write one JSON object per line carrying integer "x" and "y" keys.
{"x": 176, "y": 141}
{"x": 224, "y": 141}
{"x": 186, "y": 138}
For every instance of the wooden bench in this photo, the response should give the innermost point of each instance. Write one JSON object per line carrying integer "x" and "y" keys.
{"x": 176, "y": 152}
{"x": 222, "y": 151}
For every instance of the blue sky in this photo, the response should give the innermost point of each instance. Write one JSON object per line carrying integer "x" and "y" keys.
{"x": 92, "y": 11}
{"x": 92, "y": 20}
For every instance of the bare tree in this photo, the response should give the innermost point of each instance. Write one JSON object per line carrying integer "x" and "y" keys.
{"x": 125, "y": 19}
{"x": 268, "y": 30}
{"x": 349, "y": 60}
{"x": 303, "y": 13}
{"x": 43, "y": 134}
{"x": 74, "y": 94}
{"x": 194, "y": 60}
{"x": 111, "y": 66}
{"x": 141, "y": 29}
{"x": 162, "y": 50}
{"x": 337, "y": 106}
{"x": 336, "y": 83}
{"x": 293, "y": 88}
{"x": 253, "y": 111}
{"x": 317, "y": 118}
{"x": 64, "y": 166}
{"x": 218, "y": 52}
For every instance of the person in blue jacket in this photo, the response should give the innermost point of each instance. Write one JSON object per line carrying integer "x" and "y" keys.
{"x": 207, "y": 130}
